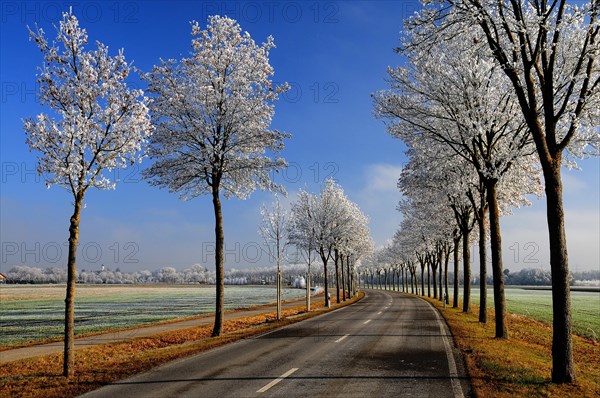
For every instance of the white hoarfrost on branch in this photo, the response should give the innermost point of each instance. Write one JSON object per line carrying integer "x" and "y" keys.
{"x": 97, "y": 124}
{"x": 548, "y": 53}
{"x": 213, "y": 112}
{"x": 274, "y": 229}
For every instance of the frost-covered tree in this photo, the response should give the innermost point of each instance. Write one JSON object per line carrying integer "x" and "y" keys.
{"x": 333, "y": 227}
{"x": 349, "y": 220}
{"x": 327, "y": 226}
{"x": 332, "y": 220}
{"x": 213, "y": 112}
{"x": 274, "y": 229}
{"x": 469, "y": 108}
{"x": 97, "y": 124}
{"x": 434, "y": 177}
{"x": 302, "y": 233}
{"x": 352, "y": 241}
{"x": 196, "y": 274}
{"x": 356, "y": 243}
{"x": 549, "y": 52}
{"x": 169, "y": 275}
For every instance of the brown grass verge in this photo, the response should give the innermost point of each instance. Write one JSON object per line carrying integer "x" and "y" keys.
{"x": 99, "y": 365}
{"x": 520, "y": 366}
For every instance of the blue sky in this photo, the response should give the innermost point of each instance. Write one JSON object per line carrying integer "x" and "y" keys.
{"x": 333, "y": 54}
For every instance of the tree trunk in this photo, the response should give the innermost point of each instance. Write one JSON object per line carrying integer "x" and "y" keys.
{"x": 466, "y": 267}
{"x": 324, "y": 259}
{"x": 219, "y": 263}
{"x": 385, "y": 273}
{"x": 422, "y": 279}
{"x": 278, "y": 290}
{"x": 69, "y": 343}
{"x": 563, "y": 368}
{"x": 350, "y": 279}
{"x": 497, "y": 271}
{"x": 343, "y": 284}
{"x": 481, "y": 218}
{"x": 456, "y": 247}
{"x": 434, "y": 271}
{"x": 308, "y": 289}
{"x": 440, "y": 291}
{"x": 416, "y": 282}
{"x": 402, "y": 279}
{"x": 428, "y": 279}
{"x": 446, "y": 261}
{"x": 336, "y": 261}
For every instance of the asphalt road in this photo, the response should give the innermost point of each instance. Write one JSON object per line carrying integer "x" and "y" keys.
{"x": 388, "y": 344}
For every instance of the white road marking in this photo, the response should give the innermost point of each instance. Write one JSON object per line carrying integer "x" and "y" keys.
{"x": 341, "y": 338}
{"x": 277, "y": 380}
{"x": 367, "y": 321}
{"x": 456, "y": 388}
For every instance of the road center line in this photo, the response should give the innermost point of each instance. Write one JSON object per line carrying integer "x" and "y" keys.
{"x": 341, "y": 338}
{"x": 277, "y": 380}
{"x": 367, "y": 321}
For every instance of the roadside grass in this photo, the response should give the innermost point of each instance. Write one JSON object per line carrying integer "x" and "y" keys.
{"x": 100, "y": 365}
{"x": 537, "y": 304}
{"x": 520, "y": 366}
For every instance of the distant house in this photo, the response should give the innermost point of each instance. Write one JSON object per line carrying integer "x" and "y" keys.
{"x": 2, "y": 278}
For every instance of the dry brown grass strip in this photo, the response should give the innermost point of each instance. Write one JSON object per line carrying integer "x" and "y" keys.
{"x": 99, "y": 365}
{"x": 520, "y": 366}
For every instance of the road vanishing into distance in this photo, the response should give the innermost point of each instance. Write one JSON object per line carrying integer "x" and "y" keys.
{"x": 386, "y": 345}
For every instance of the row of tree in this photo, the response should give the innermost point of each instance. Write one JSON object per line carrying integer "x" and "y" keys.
{"x": 369, "y": 273}
{"x": 195, "y": 274}
{"x": 382, "y": 274}
{"x": 327, "y": 226}
{"x": 494, "y": 97}
{"x": 207, "y": 122}
{"x": 207, "y": 119}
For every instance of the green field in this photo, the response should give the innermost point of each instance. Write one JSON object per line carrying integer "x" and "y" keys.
{"x": 36, "y": 312}
{"x": 537, "y": 304}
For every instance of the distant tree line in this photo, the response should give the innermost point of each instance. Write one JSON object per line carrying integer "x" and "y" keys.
{"x": 543, "y": 277}
{"x": 374, "y": 273}
{"x": 196, "y": 274}
{"x": 292, "y": 275}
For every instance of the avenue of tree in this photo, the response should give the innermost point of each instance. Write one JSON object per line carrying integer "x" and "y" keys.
{"x": 495, "y": 96}
{"x": 207, "y": 125}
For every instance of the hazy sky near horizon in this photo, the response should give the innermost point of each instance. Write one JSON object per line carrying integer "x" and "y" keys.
{"x": 333, "y": 54}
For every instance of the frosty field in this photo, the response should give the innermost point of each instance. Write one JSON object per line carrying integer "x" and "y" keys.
{"x": 537, "y": 304}
{"x": 35, "y": 312}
